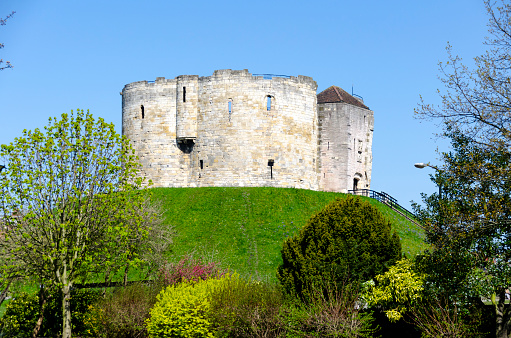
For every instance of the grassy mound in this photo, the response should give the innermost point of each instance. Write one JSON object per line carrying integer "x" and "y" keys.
{"x": 244, "y": 227}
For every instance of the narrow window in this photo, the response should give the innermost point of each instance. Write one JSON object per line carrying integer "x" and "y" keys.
{"x": 270, "y": 164}
{"x": 184, "y": 94}
{"x": 142, "y": 109}
{"x": 230, "y": 108}
{"x": 328, "y": 146}
{"x": 268, "y": 103}
{"x": 201, "y": 164}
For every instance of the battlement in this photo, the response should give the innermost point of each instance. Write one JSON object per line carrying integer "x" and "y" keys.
{"x": 230, "y": 74}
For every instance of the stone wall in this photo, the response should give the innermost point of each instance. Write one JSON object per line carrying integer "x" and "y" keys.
{"x": 345, "y": 146}
{"x": 219, "y": 131}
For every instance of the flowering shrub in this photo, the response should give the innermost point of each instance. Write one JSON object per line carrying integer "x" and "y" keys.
{"x": 189, "y": 269}
{"x": 182, "y": 310}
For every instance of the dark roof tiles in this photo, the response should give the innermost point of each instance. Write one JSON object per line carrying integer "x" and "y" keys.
{"x": 335, "y": 94}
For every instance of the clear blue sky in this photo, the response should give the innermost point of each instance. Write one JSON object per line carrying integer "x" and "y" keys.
{"x": 80, "y": 54}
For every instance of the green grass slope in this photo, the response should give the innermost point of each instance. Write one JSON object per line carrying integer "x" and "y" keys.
{"x": 244, "y": 227}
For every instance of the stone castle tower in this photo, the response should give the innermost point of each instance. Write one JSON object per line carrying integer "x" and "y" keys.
{"x": 238, "y": 129}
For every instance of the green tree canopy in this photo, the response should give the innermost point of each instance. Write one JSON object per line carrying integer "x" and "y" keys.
{"x": 469, "y": 226}
{"x": 70, "y": 203}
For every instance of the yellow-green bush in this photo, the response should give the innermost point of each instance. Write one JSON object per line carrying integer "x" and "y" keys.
{"x": 182, "y": 309}
{"x": 396, "y": 290}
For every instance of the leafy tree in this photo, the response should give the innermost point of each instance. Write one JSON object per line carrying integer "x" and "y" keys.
{"x": 469, "y": 225}
{"x": 3, "y": 23}
{"x": 71, "y": 204}
{"x": 349, "y": 238}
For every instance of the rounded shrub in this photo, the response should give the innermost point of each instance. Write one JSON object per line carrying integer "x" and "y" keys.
{"x": 182, "y": 310}
{"x": 348, "y": 239}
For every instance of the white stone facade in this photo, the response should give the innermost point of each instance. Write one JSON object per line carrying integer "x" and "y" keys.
{"x": 236, "y": 129}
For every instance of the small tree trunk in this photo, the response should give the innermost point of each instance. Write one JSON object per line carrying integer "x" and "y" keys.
{"x": 126, "y": 274}
{"x": 42, "y": 306}
{"x": 3, "y": 295}
{"x": 66, "y": 311}
{"x": 107, "y": 280}
{"x": 503, "y": 315}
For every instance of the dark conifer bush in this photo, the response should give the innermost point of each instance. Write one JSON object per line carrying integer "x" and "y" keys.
{"x": 349, "y": 238}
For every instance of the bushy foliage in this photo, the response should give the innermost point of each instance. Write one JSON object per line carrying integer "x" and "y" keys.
{"x": 242, "y": 308}
{"x": 348, "y": 237}
{"x": 20, "y": 316}
{"x": 442, "y": 318}
{"x": 122, "y": 313}
{"x": 182, "y": 310}
{"x": 332, "y": 311}
{"x": 396, "y": 290}
{"x": 229, "y": 306}
{"x": 23, "y": 311}
{"x": 189, "y": 269}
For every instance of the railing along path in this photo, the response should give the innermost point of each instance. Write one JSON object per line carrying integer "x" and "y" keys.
{"x": 387, "y": 200}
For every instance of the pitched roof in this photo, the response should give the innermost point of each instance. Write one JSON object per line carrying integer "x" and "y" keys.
{"x": 335, "y": 94}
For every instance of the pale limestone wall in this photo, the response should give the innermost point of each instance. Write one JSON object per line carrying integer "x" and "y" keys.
{"x": 345, "y": 146}
{"x": 176, "y": 135}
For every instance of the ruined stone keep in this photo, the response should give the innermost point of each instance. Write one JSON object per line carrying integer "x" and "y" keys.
{"x": 238, "y": 129}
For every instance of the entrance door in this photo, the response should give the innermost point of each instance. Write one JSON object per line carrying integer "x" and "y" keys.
{"x": 355, "y": 183}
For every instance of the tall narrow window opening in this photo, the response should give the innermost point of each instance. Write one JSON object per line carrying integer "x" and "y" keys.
{"x": 270, "y": 164}
{"x": 268, "y": 103}
{"x": 142, "y": 110}
{"x": 201, "y": 162}
{"x": 229, "y": 106}
{"x": 184, "y": 94}
{"x": 328, "y": 146}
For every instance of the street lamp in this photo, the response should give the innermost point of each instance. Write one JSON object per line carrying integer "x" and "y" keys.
{"x": 424, "y": 165}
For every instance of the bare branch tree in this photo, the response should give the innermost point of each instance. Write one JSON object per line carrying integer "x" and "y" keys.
{"x": 7, "y": 64}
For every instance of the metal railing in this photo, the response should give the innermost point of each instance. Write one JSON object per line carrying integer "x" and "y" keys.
{"x": 355, "y": 95}
{"x": 387, "y": 200}
{"x": 270, "y": 76}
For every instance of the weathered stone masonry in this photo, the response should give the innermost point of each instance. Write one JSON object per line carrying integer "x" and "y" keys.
{"x": 236, "y": 129}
